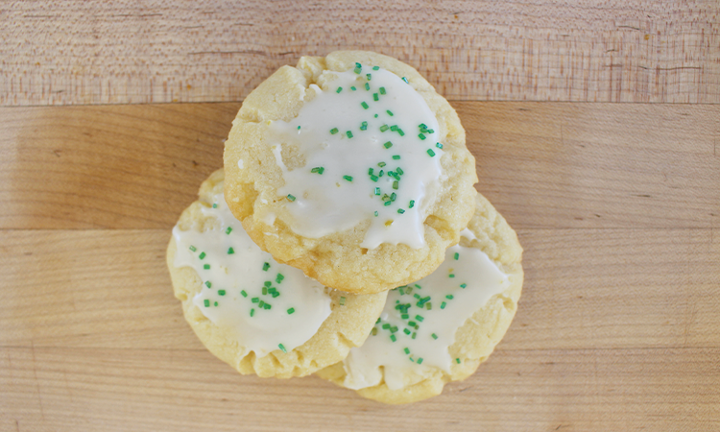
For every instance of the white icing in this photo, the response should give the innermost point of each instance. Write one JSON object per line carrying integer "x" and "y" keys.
{"x": 483, "y": 279}
{"x": 243, "y": 271}
{"x": 240, "y": 163}
{"x": 327, "y": 203}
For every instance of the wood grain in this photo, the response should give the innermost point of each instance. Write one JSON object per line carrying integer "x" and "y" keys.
{"x": 544, "y": 165}
{"x": 96, "y": 52}
{"x": 617, "y": 330}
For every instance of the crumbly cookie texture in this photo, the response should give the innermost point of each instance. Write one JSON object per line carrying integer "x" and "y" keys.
{"x": 348, "y": 325}
{"x": 477, "y": 338}
{"x": 338, "y": 260}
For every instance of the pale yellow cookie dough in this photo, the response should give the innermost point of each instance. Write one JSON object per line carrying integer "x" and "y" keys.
{"x": 476, "y": 339}
{"x": 337, "y": 260}
{"x": 346, "y": 327}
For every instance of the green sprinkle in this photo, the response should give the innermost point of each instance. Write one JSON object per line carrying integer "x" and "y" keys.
{"x": 374, "y": 331}
{"x": 457, "y": 255}
{"x": 339, "y": 89}
{"x": 291, "y": 197}
{"x": 261, "y": 304}
{"x": 388, "y": 144}
{"x": 393, "y": 338}
{"x": 231, "y": 251}
{"x": 363, "y": 126}
{"x": 382, "y": 90}
{"x": 376, "y": 214}
{"x": 298, "y": 127}
{"x": 451, "y": 275}
{"x": 413, "y": 335}
{"x": 463, "y": 286}
{"x": 268, "y": 306}
{"x": 365, "y": 105}
{"x": 228, "y": 230}
{"x": 420, "y": 360}
{"x": 384, "y": 127}
{"x": 387, "y": 203}
{"x": 252, "y": 312}
{"x": 214, "y": 205}
{"x": 353, "y": 88}
{"x": 216, "y": 303}
{"x": 376, "y": 67}
{"x": 206, "y": 302}
{"x": 419, "y": 318}
{"x": 376, "y": 98}
{"x": 208, "y": 284}
{"x": 406, "y": 331}
{"x": 434, "y": 336}
{"x": 400, "y": 131}
{"x": 357, "y": 69}
{"x": 395, "y": 185}
{"x": 404, "y": 316}
{"x": 405, "y": 79}
{"x": 407, "y": 350}
{"x": 243, "y": 293}
{"x": 393, "y": 128}
{"x": 422, "y": 126}
{"x": 393, "y": 197}
{"x": 369, "y": 77}
{"x": 348, "y": 178}
{"x": 396, "y": 157}
{"x": 318, "y": 170}
{"x": 442, "y": 305}
{"x": 342, "y": 301}
{"x": 412, "y": 204}
{"x": 430, "y": 152}
{"x": 386, "y": 326}
{"x": 421, "y": 136}
{"x": 206, "y": 266}
{"x": 401, "y": 211}
{"x": 255, "y": 300}
{"x": 377, "y": 191}
{"x": 193, "y": 248}
{"x": 412, "y": 323}
{"x": 374, "y": 178}
{"x": 333, "y": 131}
{"x": 400, "y": 171}
{"x": 367, "y": 86}
{"x": 390, "y": 113}
{"x": 279, "y": 278}
{"x": 291, "y": 311}
{"x": 428, "y": 305}
{"x": 202, "y": 255}
{"x": 376, "y": 116}
{"x": 449, "y": 297}
{"x": 349, "y": 134}
{"x": 381, "y": 164}
{"x": 457, "y": 360}
{"x": 264, "y": 291}
{"x": 438, "y": 145}
{"x": 267, "y": 284}
{"x": 282, "y": 348}
{"x": 221, "y": 292}
{"x": 266, "y": 266}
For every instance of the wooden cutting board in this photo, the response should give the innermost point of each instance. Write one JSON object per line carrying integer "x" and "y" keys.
{"x": 615, "y": 205}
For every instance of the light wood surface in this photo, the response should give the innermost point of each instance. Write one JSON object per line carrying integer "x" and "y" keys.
{"x": 616, "y": 206}
{"x": 100, "y": 52}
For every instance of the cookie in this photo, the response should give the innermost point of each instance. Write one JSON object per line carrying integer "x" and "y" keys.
{"x": 255, "y": 314}
{"x": 351, "y": 168}
{"x": 439, "y": 329}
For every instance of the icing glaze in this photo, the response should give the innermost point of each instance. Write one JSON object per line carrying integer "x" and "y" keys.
{"x": 370, "y": 147}
{"x": 419, "y": 321}
{"x": 266, "y": 305}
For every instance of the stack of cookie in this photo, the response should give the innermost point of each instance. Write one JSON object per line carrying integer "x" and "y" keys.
{"x": 344, "y": 236}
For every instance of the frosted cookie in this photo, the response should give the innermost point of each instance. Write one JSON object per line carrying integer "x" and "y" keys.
{"x": 251, "y": 312}
{"x": 351, "y": 168}
{"x": 439, "y": 329}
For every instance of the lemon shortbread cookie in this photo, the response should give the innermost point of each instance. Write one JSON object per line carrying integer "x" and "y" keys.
{"x": 442, "y": 327}
{"x": 251, "y": 312}
{"x": 351, "y": 168}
